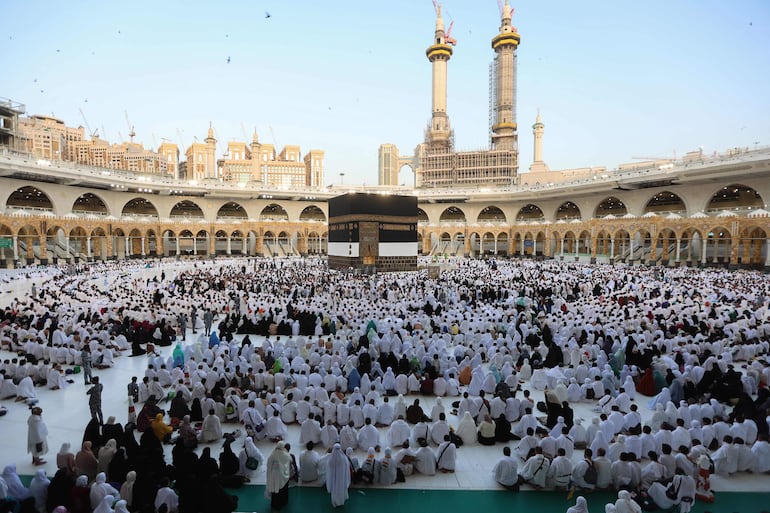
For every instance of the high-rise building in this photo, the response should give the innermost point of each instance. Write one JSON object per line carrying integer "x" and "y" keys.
{"x": 438, "y": 165}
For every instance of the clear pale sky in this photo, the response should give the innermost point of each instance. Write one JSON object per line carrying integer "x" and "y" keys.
{"x": 614, "y": 80}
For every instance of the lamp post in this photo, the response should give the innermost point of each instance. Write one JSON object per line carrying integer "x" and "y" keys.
{"x": 342, "y": 177}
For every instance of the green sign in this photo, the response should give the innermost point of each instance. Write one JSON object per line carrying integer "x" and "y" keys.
{"x": 6, "y": 242}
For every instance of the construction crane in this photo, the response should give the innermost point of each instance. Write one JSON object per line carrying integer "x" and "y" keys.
{"x": 181, "y": 141}
{"x": 131, "y": 132}
{"x": 92, "y": 133}
{"x": 448, "y": 35}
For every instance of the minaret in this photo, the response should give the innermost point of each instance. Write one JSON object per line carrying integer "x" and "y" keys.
{"x": 504, "y": 136}
{"x": 211, "y": 147}
{"x": 439, "y": 133}
{"x": 537, "y": 130}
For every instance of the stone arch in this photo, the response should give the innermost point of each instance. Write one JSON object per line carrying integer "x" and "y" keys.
{"x": 603, "y": 245}
{"x": 610, "y": 205}
{"x": 422, "y": 217}
{"x": 664, "y": 250}
{"x": 99, "y": 244}
{"x": 90, "y": 204}
{"x": 568, "y": 211}
{"x": 232, "y": 210}
{"x": 314, "y": 243}
{"x": 502, "y": 244}
{"x": 491, "y": 214}
{"x": 7, "y": 254}
{"x": 474, "y": 244}
{"x": 270, "y": 243}
{"x": 29, "y": 243}
{"x": 141, "y": 207}
{"x": 735, "y": 197}
{"x": 186, "y": 209}
{"x": 453, "y": 214}
{"x": 273, "y": 212}
{"x": 665, "y": 202}
{"x": 621, "y": 244}
{"x": 135, "y": 247}
{"x": 312, "y": 213}
{"x": 488, "y": 244}
{"x": 752, "y": 251}
{"x": 691, "y": 246}
{"x": 718, "y": 246}
{"x": 530, "y": 212}
{"x": 584, "y": 242}
{"x": 78, "y": 243}
{"x": 152, "y": 245}
{"x": 29, "y": 197}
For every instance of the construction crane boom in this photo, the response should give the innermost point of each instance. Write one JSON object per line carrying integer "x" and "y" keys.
{"x": 88, "y": 127}
{"x": 131, "y": 132}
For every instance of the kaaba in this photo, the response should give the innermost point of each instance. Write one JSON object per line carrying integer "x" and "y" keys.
{"x": 373, "y": 232}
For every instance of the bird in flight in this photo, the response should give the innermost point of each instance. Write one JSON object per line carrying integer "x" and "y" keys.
{"x": 228, "y": 59}
{"x": 267, "y": 14}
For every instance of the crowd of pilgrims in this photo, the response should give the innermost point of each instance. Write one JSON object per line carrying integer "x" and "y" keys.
{"x": 262, "y": 345}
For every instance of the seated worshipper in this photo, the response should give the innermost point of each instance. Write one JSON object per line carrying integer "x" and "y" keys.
{"x": 535, "y": 470}
{"x": 106, "y": 454}
{"x": 167, "y": 497}
{"x": 398, "y": 433}
{"x": 211, "y": 431}
{"x": 386, "y": 471}
{"x": 446, "y": 455}
{"x": 250, "y": 459}
{"x": 415, "y": 414}
{"x": 369, "y": 436}
{"x": 466, "y": 429}
{"x": 66, "y": 459}
{"x": 368, "y": 468}
{"x": 161, "y": 430}
{"x": 681, "y": 491}
{"x": 425, "y": 459}
{"x": 100, "y": 488}
{"x": 581, "y": 506}
{"x": 506, "y": 471}
{"x": 38, "y": 489}
{"x": 85, "y": 462}
{"x": 584, "y": 473}
{"x": 405, "y": 459}
{"x": 486, "y": 431}
{"x": 275, "y": 428}
{"x": 308, "y": 464}
{"x": 560, "y": 471}
{"x": 106, "y": 505}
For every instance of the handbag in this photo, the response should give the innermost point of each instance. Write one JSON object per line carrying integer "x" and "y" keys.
{"x": 39, "y": 447}
{"x": 672, "y": 492}
{"x": 252, "y": 463}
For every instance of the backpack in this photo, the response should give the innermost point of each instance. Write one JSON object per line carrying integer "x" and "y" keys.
{"x": 590, "y": 476}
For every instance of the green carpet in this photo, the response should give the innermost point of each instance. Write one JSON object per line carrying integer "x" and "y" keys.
{"x": 396, "y": 500}
{"x": 315, "y": 499}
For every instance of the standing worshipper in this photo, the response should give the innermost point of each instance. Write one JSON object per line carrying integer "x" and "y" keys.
{"x": 338, "y": 476}
{"x": 85, "y": 364}
{"x": 37, "y": 433}
{"x": 278, "y": 473}
{"x": 95, "y": 400}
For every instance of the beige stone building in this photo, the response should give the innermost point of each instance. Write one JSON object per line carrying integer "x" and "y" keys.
{"x": 258, "y": 163}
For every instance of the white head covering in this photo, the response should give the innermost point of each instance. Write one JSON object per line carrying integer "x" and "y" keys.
{"x": 106, "y": 505}
{"x": 121, "y": 507}
{"x": 38, "y": 488}
{"x": 338, "y": 476}
{"x": 278, "y": 469}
